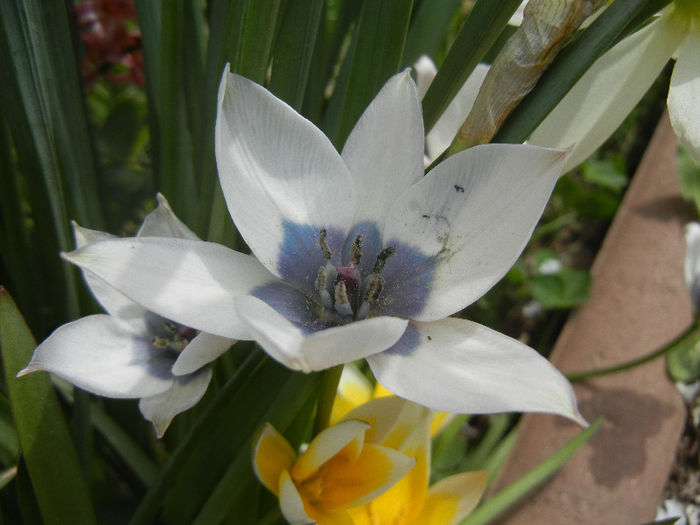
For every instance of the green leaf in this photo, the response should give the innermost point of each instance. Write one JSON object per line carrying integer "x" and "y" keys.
{"x": 566, "y": 289}
{"x": 42, "y": 101}
{"x": 428, "y": 28}
{"x": 259, "y": 32}
{"x": 294, "y": 49}
{"x": 382, "y": 26}
{"x": 9, "y": 443}
{"x": 514, "y": 492}
{"x": 220, "y": 439}
{"x": 481, "y": 29}
{"x": 478, "y": 457}
{"x": 238, "y": 481}
{"x": 226, "y": 33}
{"x": 683, "y": 360}
{"x": 448, "y": 448}
{"x": 163, "y": 27}
{"x": 603, "y": 173}
{"x": 330, "y": 46}
{"x": 121, "y": 442}
{"x": 56, "y": 478}
{"x": 570, "y": 65}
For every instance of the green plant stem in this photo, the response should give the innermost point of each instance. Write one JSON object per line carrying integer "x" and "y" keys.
{"x": 586, "y": 374}
{"x": 329, "y": 387}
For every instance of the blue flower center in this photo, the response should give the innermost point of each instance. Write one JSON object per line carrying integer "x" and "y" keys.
{"x": 344, "y": 294}
{"x": 167, "y": 335}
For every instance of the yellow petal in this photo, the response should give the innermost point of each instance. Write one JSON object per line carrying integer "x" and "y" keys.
{"x": 450, "y": 500}
{"x": 381, "y": 391}
{"x": 381, "y": 414}
{"x": 272, "y": 455}
{"x": 347, "y": 435}
{"x": 354, "y": 389}
{"x": 344, "y": 481}
{"x": 440, "y": 421}
{"x": 402, "y": 503}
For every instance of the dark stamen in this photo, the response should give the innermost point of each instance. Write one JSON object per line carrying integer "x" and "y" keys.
{"x": 382, "y": 258}
{"x": 374, "y": 289}
{"x": 325, "y": 248}
{"x": 342, "y": 303}
{"x": 321, "y": 278}
{"x": 356, "y": 249}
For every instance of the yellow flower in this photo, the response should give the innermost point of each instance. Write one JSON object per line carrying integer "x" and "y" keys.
{"x": 405, "y": 426}
{"x": 371, "y": 468}
{"x": 354, "y": 389}
{"x": 340, "y": 469}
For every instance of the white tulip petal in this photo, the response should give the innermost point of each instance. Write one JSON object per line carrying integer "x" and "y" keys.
{"x": 276, "y": 169}
{"x": 607, "y": 92}
{"x": 454, "y": 365}
{"x": 291, "y": 504}
{"x": 103, "y": 356}
{"x": 425, "y": 73}
{"x": 691, "y": 265}
{"x": 468, "y": 221}
{"x": 684, "y": 94}
{"x": 318, "y": 350}
{"x": 190, "y": 282}
{"x": 114, "y": 302}
{"x": 445, "y": 129}
{"x": 184, "y": 394}
{"x": 203, "y": 349}
{"x": 384, "y": 151}
{"x": 162, "y": 222}
{"x": 85, "y": 236}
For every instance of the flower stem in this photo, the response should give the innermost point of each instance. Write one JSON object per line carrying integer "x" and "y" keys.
{"x": 586, "y": 374}
{"x": 329, "y": 387}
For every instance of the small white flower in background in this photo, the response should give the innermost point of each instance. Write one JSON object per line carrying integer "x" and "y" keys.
{"x": 443, "y": 132}
{"x": 687, "y": 514}
{"x": 550, "y": 266}
{"x": 691, "y": 266}
{"x": 132, "y": 352}
{"x": 357, "y": 255}
{"x": 612, "y": 87}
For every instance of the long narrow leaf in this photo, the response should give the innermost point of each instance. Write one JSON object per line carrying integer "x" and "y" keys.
{"x": 120, "y": 441}
{"x": 428, "y": 28}
{"x": 218, "y": 438}
{"x": 56, "y": 478}
{"x": 238, "y": 480}
{"x": 163, "y": 43}
{"x": 226, "y": 33}
{"x": 42, "y": 101}
{"x": 259, "y": 32}
{"x": 294, "y": 50}
{"x": 336, "y": 28}
{"x": 374, "y": 56}
{"x": 510, "y": 495}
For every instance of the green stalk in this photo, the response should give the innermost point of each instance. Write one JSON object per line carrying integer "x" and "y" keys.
{"x": 596, "y": 372}
{"x": 329, "y": 388}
